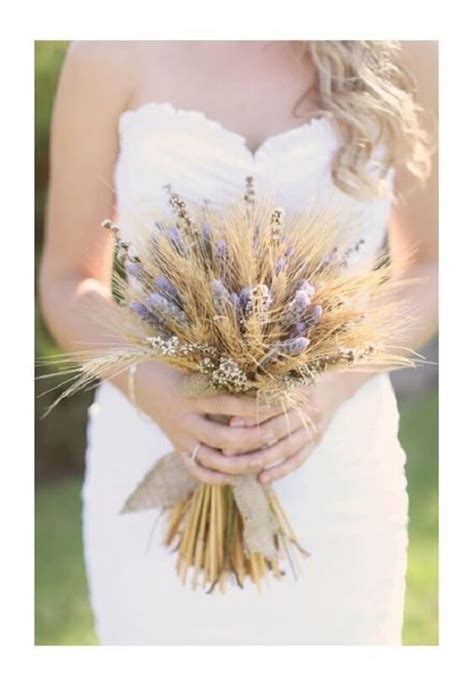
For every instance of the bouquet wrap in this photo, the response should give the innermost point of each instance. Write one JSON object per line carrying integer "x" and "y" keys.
{"x": 168, "y": 483}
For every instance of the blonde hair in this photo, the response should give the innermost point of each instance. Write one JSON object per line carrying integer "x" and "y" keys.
{"x": 363, "y": 86}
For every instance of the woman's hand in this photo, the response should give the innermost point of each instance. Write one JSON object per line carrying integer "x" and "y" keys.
{"x": 297, "y": 437}
{"x": 185, "y": 421}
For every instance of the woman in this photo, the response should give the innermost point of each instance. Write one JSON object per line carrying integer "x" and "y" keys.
{"x": 131, "y": 118}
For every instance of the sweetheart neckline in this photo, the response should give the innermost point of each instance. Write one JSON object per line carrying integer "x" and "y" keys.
{"x": 326, "y": 120}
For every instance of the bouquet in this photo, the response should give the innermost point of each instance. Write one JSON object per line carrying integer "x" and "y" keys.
{"x": 250, "y": 300}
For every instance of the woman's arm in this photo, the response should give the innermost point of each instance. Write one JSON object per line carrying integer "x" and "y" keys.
{"x": 414, "y": 219}
{"x": 75, "y": 272}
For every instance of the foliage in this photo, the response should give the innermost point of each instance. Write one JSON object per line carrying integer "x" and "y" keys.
{"x": 419, "y": 437}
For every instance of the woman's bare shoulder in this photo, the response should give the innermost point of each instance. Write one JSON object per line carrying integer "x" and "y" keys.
{"x": 118, "y": 68}
{"x": 102, "y": 58}
{"x": 122, "y": 55}
{"x": 101, "y": 71}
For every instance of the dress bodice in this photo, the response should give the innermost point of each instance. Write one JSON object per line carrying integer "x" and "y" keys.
{"x": 161, "y": 145}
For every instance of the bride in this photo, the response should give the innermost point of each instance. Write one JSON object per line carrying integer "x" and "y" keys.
{"x": 302, "y": 118}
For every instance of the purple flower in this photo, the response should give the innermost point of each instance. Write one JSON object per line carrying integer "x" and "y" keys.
{"x": 163, "y": 284}
{"x": 296, "y": 308}
{"x": 281, "y": 265}
{"x": 206, "y": 231}
{"x": 139, "y": 309}
{"x": 262, "y": 292}
{"x": 289, "y": 251}
{"x": 245, "y": 296}
{"x": 221, "y": 248}
{"x": 315, "y": 315}
{"x": 145, "y": 315}
{"x": 302, "y": 298}
{"x": 333, "y": 259}
{"x": 135, "y": 269}
{"x": 176, "y": 239}
{"x": 307, "y": 287}
{"x": 258, "y": 297}
{"x": 294, "y": 346}
{"x": 164, "y": 308}
{"x": 298, "y": 329}
{"x": 234, "y": 299}
{"x": 220, "y": 295}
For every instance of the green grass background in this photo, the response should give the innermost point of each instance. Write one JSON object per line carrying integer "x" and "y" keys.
{"x": 63, "y": 615}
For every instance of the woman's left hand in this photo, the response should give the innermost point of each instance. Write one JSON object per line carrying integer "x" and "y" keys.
{"x": 291, "y": 440}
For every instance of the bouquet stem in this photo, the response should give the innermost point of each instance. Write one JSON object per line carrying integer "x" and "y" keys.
{"x": 211, "y": 540}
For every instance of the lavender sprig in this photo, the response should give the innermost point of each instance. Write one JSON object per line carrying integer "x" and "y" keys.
{"x": 146, "y": 316}
{"x": 134, "y": 268}
{"x": 163, "y": 284}
{"x": 315, "y": 315}
{"x": 296, "y": 308}
{"x": 291, "y": 346}
{"x": 298, "y": 329}
{"x": 165, "y": 309}
{"x": 220, "y": 296}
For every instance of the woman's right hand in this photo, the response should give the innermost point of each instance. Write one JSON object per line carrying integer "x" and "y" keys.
{"x": 187, "y": 423}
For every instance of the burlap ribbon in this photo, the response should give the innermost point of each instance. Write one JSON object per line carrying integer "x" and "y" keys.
{"x": 168, "y": 482}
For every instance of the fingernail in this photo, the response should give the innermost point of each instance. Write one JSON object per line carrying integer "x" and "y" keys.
{"x": 237, "y": 422}
{"x": 264, "y": 479}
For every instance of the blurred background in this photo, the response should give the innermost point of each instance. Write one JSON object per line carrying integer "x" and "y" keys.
{"x": 62, "y": 612}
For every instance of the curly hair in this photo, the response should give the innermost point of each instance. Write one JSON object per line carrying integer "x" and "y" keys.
{"x": 363, "y": 86}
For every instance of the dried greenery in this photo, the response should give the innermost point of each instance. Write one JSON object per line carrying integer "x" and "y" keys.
{"x": 250, "y": 300}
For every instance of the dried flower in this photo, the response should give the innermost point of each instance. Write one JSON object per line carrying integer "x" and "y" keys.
{"x": 235, "y": 299}
{"x": 249, "y": 196}
{"x": 175, "y": 237}
{"x": 307, "y": 287}
{"x": 229, "y": 377}
{"x": 220, "y": 296}
{"x": 164, "y": 308}
{"x": 296, "y": 308}
{"x": 276, "y": 337}
{"x": 244, "y": 297}
{"x": 134, "y": 268}
{"x": 276, "y": 222}
{"x": 206, "y": 232}
{"x": 221, "y": 248}
{"x": 163, "y": 284}
{"x": 314, "y": 316}
{"x": 298, "y": 329}
{"x": 294, "y": 346}
{"x": 145, "y": 315}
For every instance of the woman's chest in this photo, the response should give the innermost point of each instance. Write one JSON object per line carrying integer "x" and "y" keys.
{"x": 251, "y": 87}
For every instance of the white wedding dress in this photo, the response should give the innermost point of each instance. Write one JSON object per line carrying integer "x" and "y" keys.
{"x": 348, "y": 502}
